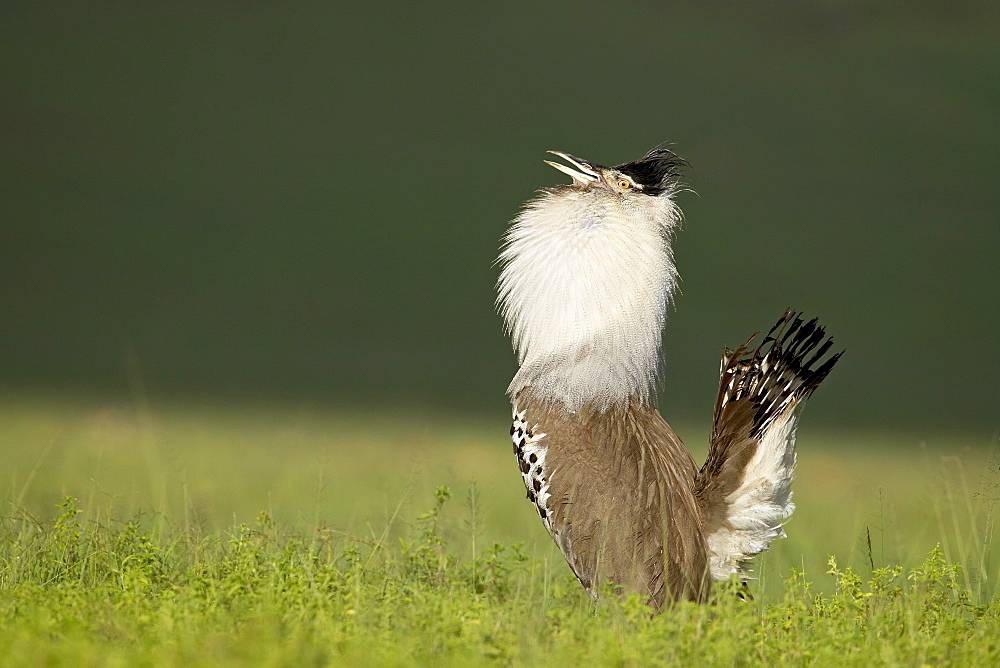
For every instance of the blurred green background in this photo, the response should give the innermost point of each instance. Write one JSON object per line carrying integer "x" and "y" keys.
{"x": 301, "y": 202}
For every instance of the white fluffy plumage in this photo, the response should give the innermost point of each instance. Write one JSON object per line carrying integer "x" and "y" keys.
{"x": 585, "y": 281}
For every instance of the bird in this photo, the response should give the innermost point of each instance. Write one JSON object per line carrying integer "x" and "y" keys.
{"x": 586, "y": 276}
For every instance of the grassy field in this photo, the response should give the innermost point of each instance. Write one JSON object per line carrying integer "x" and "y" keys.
{"x": 286, "y": 536}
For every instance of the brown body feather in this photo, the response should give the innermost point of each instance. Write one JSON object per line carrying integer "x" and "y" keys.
{"x": 620, "y": 502}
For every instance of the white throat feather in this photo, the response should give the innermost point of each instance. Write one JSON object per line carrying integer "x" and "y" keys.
{"x": 584, "y": 286}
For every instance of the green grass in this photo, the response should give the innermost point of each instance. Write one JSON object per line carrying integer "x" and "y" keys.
{"x": 286, "y": 537}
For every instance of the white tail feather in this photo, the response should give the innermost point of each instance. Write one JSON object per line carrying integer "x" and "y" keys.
{"x": 745, "y": 485}
{"x": 761, "y": 504}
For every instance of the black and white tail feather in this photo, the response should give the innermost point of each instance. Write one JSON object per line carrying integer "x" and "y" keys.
{"x": 744, "y": 488}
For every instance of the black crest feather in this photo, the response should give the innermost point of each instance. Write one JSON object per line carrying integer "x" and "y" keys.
{"x": 656, "y": 172}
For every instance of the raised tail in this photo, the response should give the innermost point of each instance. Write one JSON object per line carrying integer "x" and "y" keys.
{"x": 744, "y": 488}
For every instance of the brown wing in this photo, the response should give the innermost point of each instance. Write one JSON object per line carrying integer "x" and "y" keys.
{"x": 614, "y": 491}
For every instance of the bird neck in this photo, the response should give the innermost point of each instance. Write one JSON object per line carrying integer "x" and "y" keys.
{"x": 584, "y": 290}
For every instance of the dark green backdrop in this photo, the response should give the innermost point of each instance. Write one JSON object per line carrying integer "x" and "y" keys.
{"x": 303, "y": 200}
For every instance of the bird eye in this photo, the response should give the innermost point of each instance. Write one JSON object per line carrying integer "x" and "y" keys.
{"x": 623, "y": 184}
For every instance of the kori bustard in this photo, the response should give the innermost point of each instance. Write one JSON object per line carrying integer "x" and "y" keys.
{"x": 587, "y": 272}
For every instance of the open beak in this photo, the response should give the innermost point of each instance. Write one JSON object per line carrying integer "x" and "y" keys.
{"x": 583, "y": 172}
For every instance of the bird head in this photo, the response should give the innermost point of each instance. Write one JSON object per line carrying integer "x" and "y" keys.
{"x": 652, "y": 175}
